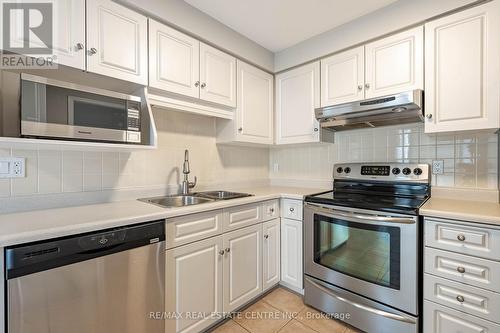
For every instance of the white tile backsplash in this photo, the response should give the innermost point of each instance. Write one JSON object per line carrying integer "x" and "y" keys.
{"x": 59, "y": 171}
{"x": 470, "y": 159}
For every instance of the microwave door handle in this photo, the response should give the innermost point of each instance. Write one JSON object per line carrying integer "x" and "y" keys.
{"x": 364, "y": 307}
{"x": 361, "y": 217}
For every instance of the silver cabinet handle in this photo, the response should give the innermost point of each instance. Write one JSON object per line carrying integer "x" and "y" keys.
{"x": 228, "y": 250}
{"x": 80, "y": 46}
{"x": 428, "y": 116}
{"x": 360, "y": 87}
{"x": 93, "y": 50}
{"x": 203, "y": 85}
{"x": 271, "y": 210}
{"x": 197, "y": 83}
{"x": 461, "y": 237}
{"x": 292, "y": 209}
{"x": 461, "y": 270}
{"x": 367, "y": 85}
{"x": 316, "y": 129}
{"x": 240, "y": 129}
{"x": 364, "y": 307}
{"x": 221, "y": 252}
{"x": 266, "y": 236}
{"x": 460, "y": 298}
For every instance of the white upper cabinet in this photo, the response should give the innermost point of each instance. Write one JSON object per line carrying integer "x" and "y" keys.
{"x": 297, "y": 95}
{"x": 343, "y": 77}
{"x": 253, "y": 122}
{"x": 173, "y": 60}
{"x": 462, "y": 70}
{"x": 217, "y": 76}
{"x": 395, "y": 64}
{"x": 117, "y": 41}
{"x": 69, "y": 33}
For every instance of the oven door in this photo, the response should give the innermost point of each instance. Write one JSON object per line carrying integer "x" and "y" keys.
{"x": 369, "y": 253}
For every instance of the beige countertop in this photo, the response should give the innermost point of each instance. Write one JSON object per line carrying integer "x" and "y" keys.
{"x": 24, "y": 227}
{"x": 471, "y": 211}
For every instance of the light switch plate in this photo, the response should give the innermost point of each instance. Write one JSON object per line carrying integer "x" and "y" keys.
{"x": 437, "y": 167}
{"x": 12, "y": 167}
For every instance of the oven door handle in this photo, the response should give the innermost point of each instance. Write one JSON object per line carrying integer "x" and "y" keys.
{"x": 361, "y": 217}
{"x": 364, "y": 307}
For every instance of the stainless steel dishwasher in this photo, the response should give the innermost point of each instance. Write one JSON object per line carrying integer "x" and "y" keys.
{"x": 104, "y": 282}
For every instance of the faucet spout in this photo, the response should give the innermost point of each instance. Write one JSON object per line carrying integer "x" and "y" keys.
{"x": 185, "y": 166}
{"x": 186, "y": 184}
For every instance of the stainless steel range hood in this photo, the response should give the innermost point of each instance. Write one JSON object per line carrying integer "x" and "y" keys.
{"x": 396, "y": 109}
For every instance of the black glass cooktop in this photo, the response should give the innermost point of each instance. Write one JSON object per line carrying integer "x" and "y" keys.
{"x": 393, "y": 198}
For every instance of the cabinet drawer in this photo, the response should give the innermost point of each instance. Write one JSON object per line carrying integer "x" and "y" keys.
{"x": 465, "y": 239}
{"x": 291, "y": 209}
{"x": 441, "y": 319}
{"x": 271, "y": 210}
{"x": 458, "y": 267}
{"x": 242, "y": 216}
{"x": 190, "y": 228}
{"x": 476, "y": 301}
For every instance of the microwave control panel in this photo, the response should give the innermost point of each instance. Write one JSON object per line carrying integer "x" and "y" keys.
{"x": 133, "y": 116}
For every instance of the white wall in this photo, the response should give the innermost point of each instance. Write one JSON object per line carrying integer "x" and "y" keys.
{"x": 182, "y": 15}
{"x": 394, "y": 17}
{"x": 470, "y": 159}
{"x": 57, "y": 177}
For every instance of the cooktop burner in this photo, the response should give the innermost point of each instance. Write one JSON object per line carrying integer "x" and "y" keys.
{"x": 390, "y": 187}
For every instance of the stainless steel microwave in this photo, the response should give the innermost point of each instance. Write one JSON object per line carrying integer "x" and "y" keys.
{"x": 62, "y": 110}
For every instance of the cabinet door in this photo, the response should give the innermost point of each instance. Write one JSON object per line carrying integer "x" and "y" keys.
{"x": 395, "y": 64}
{"x": 68, "y": 40}
{"x": 297, "y": 95}
{"x": 117, "y": 41}
{"x": 291, "y": 254}
{"x": 462, "y": 66}
{"x": 194, "y": 284}
{"x": 69, "y": 33}
{"x": 441, "y": 319}
{"x": 254, "y": 112}
{"x": 343, "y": 77}
{"x": 174, "y": 60}
{"x": 271, "y": 254}
{"x": 217, "y": 76}
{"x": 242, "y": 266}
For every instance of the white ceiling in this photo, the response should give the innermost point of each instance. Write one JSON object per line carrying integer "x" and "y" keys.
{"x": 278, "y": 24}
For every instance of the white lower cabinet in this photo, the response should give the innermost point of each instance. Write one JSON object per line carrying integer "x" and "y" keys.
{"x": 242, "y": 266}
{"x": 441, "y": 319}
{"x": 291, "y": 254}
{"x": 461, "y": 268}
{"x": 194, "y": 284}
{"x": 221, "y": 273}
{"x": 271, "y": 254}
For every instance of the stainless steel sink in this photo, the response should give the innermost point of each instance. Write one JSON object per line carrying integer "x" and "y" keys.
{"x": 177, "y": 201}
{"x": 222, "y": 195}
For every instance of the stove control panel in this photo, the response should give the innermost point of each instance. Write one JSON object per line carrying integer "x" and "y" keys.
{"x": 383, "y": 172}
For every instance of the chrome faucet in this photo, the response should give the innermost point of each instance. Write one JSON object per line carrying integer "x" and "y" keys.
{"x": 186, "y": 184}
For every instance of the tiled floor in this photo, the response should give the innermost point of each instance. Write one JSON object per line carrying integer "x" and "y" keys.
{"x": 284, "y": 312}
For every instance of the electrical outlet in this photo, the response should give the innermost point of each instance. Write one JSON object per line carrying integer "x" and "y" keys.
{"x": 12, "y": 167}
{"x": 437, "y": 167}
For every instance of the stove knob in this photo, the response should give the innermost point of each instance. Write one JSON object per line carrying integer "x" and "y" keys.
{"x": 339, "y": 170}
{"x": 417, "y": 171}
{"x": 396, "y": 171}
{"x": 406, "y": 171}
{"x": 347, "y": 170}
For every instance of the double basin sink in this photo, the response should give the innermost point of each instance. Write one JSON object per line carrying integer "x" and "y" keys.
{"x": 194, "y": 199}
